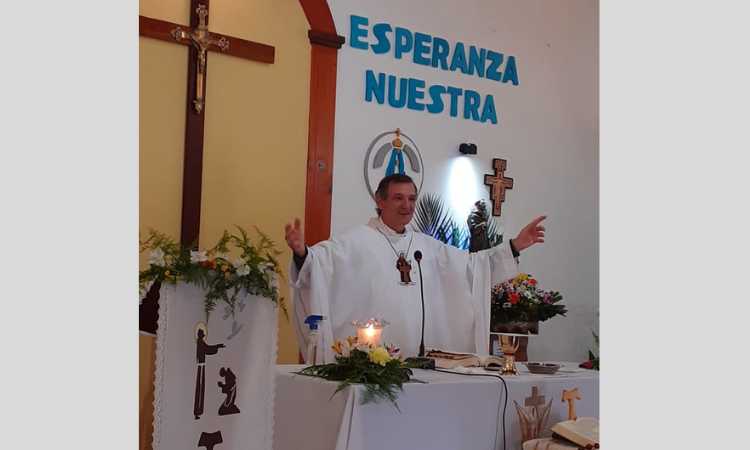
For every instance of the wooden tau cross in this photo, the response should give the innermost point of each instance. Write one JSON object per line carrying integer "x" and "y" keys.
{"x": 404, "y": 267}
{"x": 498, "y": 183}
{"x": 571, "y": 396}
{"x": 200, "y": 41}
{"x": 535, "y": 400}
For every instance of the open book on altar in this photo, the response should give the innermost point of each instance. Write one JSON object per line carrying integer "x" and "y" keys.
{"x": 583, "y": 431}
{"x": 449, "y": 360}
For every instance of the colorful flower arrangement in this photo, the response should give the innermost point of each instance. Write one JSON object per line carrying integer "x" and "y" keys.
{"x": 520, "y": 300}
{"x": 379, "y": 368}
{"x": 254, "y": 271}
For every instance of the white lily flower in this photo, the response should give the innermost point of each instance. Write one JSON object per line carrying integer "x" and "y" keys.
{"x": 196, "y": 257}
{"x": 243, "y": 270}
{"x": 265, "y": 267}
{"x": 239, "y": 262}
{"x": 156, "y": 258}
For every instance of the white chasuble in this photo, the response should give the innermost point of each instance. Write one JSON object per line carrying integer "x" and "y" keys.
{"x": 355, "y": 277}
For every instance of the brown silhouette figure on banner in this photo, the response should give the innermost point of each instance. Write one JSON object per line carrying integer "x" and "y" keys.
{"x": 202, "y": 349}
{"x": 209, "y": 440}
{"x": 229, "y": 387}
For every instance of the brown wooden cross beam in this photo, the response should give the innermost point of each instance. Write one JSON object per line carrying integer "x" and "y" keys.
{"x": 200, "y": 41}
{"x": 498, "y": 183}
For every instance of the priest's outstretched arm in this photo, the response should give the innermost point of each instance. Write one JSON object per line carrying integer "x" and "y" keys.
{"x": 529, "y": 235}
{"x": 310, "y": 296}
{"x": 502, "y": 260}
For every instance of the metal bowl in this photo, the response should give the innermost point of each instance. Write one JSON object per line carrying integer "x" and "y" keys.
{"x": 542, "y": 368}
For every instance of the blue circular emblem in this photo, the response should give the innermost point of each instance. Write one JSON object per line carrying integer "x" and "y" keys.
{"x": 392, "y": 152}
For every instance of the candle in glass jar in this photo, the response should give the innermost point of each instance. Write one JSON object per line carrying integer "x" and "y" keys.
{"x": 369, "y": 335}
{"x": 370, "y": 331}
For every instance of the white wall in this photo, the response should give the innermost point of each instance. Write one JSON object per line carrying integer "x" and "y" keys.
{"x": 547, "y": 131}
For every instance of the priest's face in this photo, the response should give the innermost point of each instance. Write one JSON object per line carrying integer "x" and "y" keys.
{"x": 397, "y": 209}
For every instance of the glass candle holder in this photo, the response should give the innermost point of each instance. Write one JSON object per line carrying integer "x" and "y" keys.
{"x": 370, "y": 331}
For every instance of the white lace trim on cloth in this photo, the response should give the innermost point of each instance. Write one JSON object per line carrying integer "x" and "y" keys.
{"x": 250, "y": 353}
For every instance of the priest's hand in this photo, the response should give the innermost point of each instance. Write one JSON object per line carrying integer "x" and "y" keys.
{"x": 530, "y": 234}
{"x": 295, "y": 239}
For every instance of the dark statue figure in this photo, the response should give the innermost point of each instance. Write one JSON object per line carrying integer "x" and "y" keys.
{"x": 478, "y": 222}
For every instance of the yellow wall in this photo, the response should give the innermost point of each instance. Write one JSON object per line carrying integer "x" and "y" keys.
{"x": 255, "y": 145}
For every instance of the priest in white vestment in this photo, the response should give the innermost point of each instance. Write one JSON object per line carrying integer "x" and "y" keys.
{"x": 356, "y": 276}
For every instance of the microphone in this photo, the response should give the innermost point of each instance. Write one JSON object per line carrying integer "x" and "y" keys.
{"x": 418, "y": 257}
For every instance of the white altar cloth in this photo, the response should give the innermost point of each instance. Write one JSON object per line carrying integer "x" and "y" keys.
{"x": 451, "y": 412}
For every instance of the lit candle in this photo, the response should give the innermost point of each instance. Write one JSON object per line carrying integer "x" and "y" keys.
{"x": 370, "y": 332}
{"x": 369, "y": 335}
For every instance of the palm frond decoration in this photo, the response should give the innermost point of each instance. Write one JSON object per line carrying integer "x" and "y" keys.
{"x": 494, "y": 234}
{"x": 484, "y": 232}
{"x": 434, "y": 218}
{"x": 431, "y": 215}
{"x": 460, "y": 238}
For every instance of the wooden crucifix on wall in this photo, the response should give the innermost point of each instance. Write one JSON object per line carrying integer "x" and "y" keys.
{"x": 200, "y": 41}
{"x": 498, "y": 183}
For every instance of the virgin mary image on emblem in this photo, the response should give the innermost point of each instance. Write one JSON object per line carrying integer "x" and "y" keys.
{"x": 397, "y": 150}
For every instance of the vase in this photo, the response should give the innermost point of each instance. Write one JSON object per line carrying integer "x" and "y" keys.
{"x": 516, "y": 327}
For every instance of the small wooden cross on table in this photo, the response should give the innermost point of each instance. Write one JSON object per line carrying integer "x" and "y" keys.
{"x": 498, "y": 183}
{"x": 200, "y": 41}
{"x": 535, "y": 400}
{"x": 571, "y": 396}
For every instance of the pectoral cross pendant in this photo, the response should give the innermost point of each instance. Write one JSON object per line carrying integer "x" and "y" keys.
{"x": 404, "y": 268}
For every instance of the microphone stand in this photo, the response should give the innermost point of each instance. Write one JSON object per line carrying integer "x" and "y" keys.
{"x": 421, "y": 362}
{"x": 418, "y": 257}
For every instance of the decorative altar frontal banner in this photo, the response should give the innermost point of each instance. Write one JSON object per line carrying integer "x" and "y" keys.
{"x": 214, "y": 381}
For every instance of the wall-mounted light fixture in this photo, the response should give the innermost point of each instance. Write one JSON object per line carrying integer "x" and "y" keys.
{"x": 468, "y": 149}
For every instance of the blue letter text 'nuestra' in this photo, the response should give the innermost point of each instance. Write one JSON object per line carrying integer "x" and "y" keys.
{"x": 436, "y": 52}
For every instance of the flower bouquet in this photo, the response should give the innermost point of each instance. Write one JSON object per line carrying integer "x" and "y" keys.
{"x": 518, "y": 305}
{"x": 254, "y": 271}
{"x": 379, "y": 368}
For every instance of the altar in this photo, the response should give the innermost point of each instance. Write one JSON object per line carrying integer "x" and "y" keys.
{"x": 448, "y": 411}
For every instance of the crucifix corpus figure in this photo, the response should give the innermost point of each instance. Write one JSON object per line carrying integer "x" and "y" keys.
{"x": 201, "y": 39}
